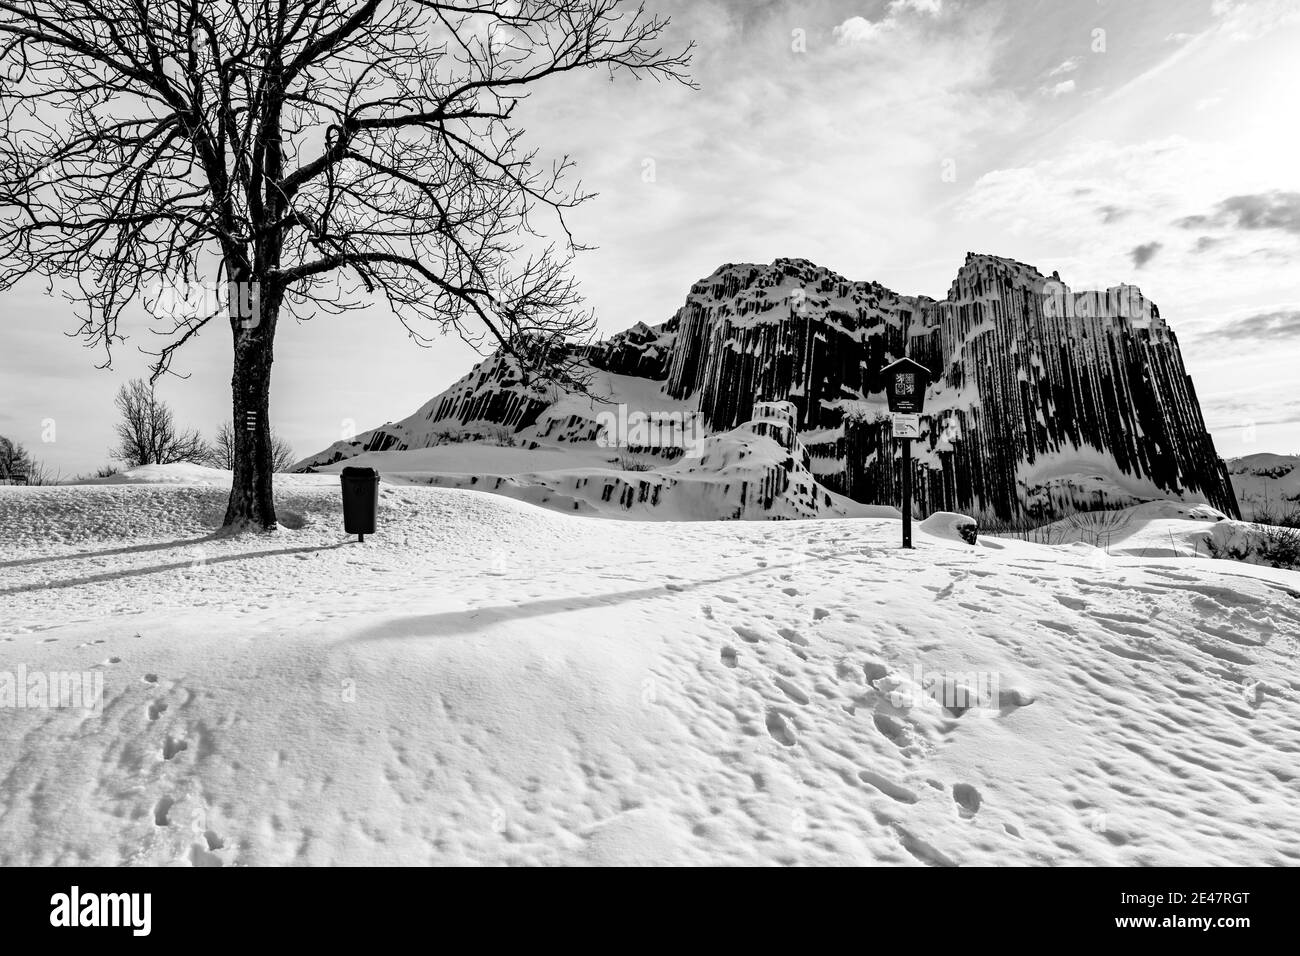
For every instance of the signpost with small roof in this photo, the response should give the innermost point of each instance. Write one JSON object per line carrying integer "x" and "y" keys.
{"x": 905, "y": 383}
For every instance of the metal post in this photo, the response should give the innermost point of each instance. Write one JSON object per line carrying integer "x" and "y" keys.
{"x": 907, "y": 492}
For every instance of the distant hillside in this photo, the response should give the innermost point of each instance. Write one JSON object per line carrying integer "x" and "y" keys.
{"x": 1267, "y": 486}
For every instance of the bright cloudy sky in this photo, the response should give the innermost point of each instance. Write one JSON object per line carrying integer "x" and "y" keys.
{"x": 1149, "y": 141}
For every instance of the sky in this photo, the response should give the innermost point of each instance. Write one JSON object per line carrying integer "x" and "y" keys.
{"x": 1144, "y": 141}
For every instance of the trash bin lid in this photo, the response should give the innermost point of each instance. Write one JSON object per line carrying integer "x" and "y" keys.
{"x": 353, "y": 472}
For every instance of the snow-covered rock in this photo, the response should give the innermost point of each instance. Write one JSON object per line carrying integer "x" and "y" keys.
{"x": 1045, "y": 401}
{"x": 753, "y": 472}
{"x": 954, "y": 527}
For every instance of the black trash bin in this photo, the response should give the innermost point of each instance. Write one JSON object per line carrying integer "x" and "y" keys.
{"x": 360, "y": 500}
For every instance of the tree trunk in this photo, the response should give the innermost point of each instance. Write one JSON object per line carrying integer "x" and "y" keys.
{"x": 252, "y": 500}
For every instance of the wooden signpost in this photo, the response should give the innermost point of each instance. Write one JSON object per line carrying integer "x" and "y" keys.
{"x": 905, "y": 383}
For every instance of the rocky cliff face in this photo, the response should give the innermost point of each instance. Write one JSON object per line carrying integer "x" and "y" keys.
{"x": 1043, "y": 401}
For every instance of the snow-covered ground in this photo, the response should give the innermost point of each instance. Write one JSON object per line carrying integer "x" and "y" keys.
{"x": 484, "y": 681}
{"x": 755, "y": 472}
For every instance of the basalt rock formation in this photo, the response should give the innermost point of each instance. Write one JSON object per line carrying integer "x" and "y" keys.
{"x": 1042, "y": 401}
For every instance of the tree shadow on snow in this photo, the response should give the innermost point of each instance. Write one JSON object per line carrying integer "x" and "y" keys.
{"x": 206, "y": 561}
{"x": 451, "y": 623}
{"x": 289, "y": 519}
{"x": 109, "y": 552}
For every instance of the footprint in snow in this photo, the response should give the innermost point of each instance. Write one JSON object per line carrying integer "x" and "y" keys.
{"x": 160, "y": 811}
{"x": 791, "y": 691}
{"x": 781, "y": 727}
{"x": 201, "y": 857}
{"x": 892, "y": 730}
{"x": 729, "y": 656}
{"x": 873, "y": 671}
{"x": 746, "y": 633}
{"x": 895, "y": 791}
{"x": 967, "y": 798}
{"x": 925, "y": 852}
{"x": 791, "y": 635}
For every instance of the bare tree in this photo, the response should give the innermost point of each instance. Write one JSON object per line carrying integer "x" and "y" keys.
{"x": 301, "y": 155}
{"x": 147, "y": 433}
{"x": 221, "y": 451}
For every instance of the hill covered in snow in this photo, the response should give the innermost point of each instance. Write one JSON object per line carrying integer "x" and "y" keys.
{"x": 484, "y": 681}
{"x": 1267, "y": 486}
{"x": 1045, "y": 401}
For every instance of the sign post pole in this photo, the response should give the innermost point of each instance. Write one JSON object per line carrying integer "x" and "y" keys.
{"x": 905, "y": 383}
{"x": 907, "y": 492}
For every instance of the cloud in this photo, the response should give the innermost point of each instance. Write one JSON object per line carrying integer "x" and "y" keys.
{"x": 1271, "y": 210}
{"x": 1060, "y": 89}
{"x": 854, "y": 128}
{"x": 930, "y": 7}
{"x": 1102, "y": 199}
{"x": 1248, "y": 19}
{"x": 1144, "y": 253}
{"x": 1283, "y": 324}
{"x": 860, "y": 30}
{"x": 1068, "y": 66}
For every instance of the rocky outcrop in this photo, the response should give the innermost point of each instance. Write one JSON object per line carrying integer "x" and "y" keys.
{"x": 1043, "y": 401}
{"x": 643, "y": 351}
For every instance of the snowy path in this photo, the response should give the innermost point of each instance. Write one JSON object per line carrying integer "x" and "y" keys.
{"x": 488, "y": 682}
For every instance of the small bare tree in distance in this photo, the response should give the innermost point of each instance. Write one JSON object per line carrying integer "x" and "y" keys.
{"x": 147, "y": 433}
{"x": 221, "y": 451}
{"x": 305, "y": 155}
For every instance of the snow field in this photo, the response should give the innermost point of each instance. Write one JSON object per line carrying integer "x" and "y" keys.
{"x": 487, "y": 682}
